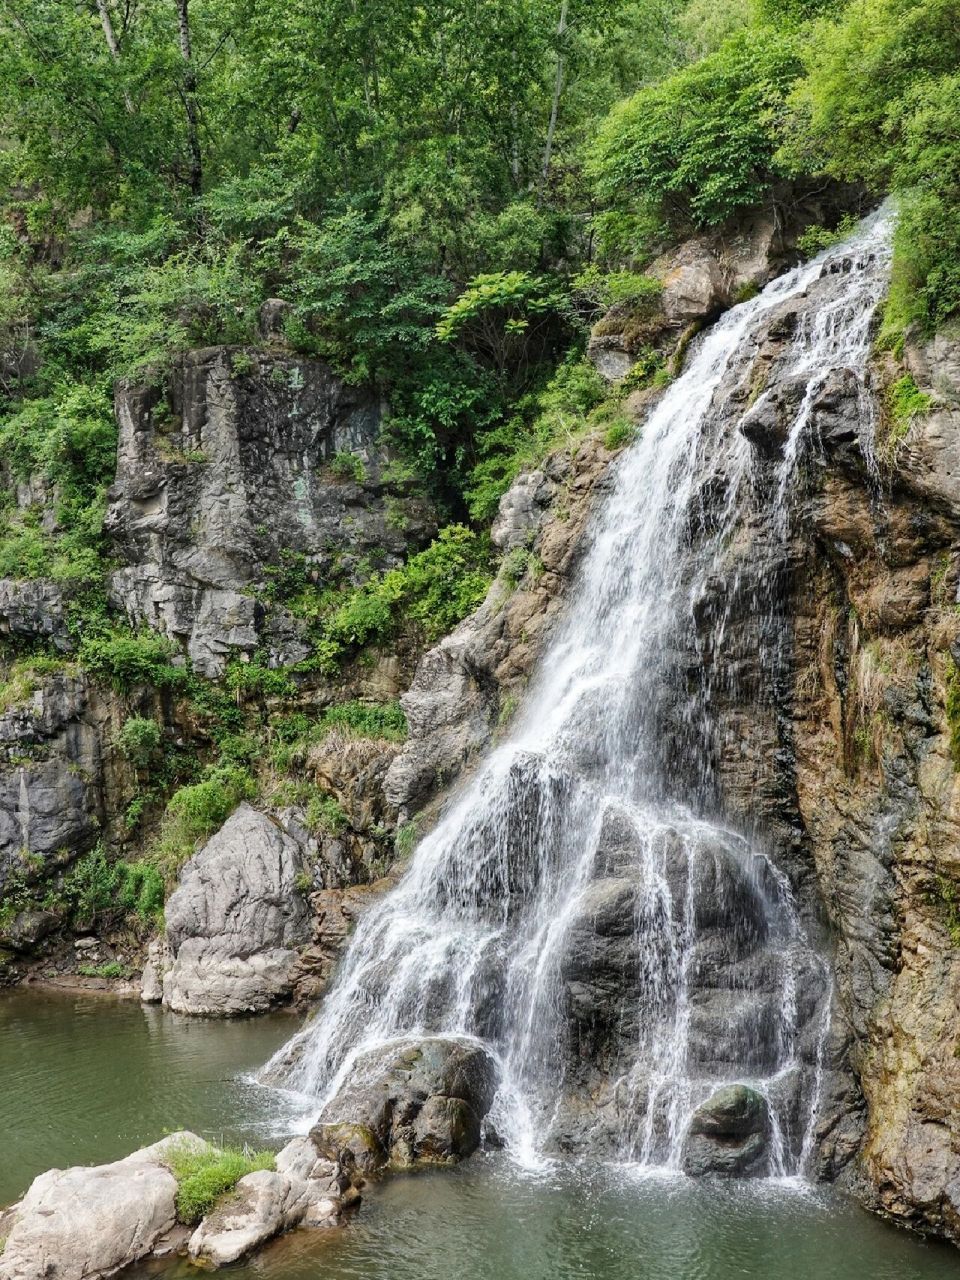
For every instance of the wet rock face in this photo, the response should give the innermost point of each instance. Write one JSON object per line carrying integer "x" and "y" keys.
{"x": 729, "y": 1135}
{"x": 235, "y": 921}
{"x": 408, "y": 1103}
{"x": 845, "y": 761}
{"x": 226, "y": 475}
{"x": 470, "y": 682}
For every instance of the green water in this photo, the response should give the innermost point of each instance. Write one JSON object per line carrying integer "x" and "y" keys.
{"x": 88, "y": 1079}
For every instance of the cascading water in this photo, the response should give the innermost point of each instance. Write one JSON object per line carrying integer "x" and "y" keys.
{"x": 585, "y": 908}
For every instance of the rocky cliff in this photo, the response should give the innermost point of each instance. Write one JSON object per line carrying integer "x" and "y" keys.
{"x": 831, "y": 674}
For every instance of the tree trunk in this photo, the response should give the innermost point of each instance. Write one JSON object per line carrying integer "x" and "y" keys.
{"x": 112, "y": 44}
{"x": 190, "y": 100}
{"x": 557, "y": 91}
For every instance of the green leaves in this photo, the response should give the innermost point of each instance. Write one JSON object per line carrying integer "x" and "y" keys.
{"x": 506, "y": 319}
{"x": 701, "y": 144}
{"x": 878, "y": 103}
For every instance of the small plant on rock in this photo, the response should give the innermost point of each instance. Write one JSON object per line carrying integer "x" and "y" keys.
{"x": 204, "y": 1174}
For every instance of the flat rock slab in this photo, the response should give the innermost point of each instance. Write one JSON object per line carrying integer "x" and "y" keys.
{"x": 82, "y": 1223}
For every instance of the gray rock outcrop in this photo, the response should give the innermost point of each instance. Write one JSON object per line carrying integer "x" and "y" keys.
{"x": 262, "y": 1206}
{"x": 706, "y": 274}
{"x": 469, "y": 684}
{"x": 239, "y": 467}
{"x": 34, "y": 609}
{"x": 235, "y": 920}
{"x": 87, "y": 1223}
{"x": 51, "y": 797}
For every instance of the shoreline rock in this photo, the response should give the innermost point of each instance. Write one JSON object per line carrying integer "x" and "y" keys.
{"x": 89, "y": 1222}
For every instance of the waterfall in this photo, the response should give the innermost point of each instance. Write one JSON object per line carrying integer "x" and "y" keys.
{"x": 585, "y": 907}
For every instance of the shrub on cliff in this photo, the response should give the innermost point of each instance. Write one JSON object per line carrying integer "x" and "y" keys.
{"x": 878, "y": 103}
{"x": 701, "y": 144}
{"x": 195, "y": 812}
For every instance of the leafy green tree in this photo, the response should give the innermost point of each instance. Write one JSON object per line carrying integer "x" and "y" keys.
{"x": 701, "y": 144}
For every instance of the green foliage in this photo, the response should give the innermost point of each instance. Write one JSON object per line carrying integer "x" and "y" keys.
{"x": 124, "y": 660}
{"x": 701, "y": 144}
{"x": 544, "y": 420}
{"x": 905, "y": 401}
{"x": 877, "y": 104}
{"x": 505, "y": 318}
{"x": 366, "y": 720}
{"x": 325, "y": 816}
{"x": 194, "y": 812}
{"x": 604, "y": 289}
{"x": 24, "y": 676}
{"x": 139, "y": 740}
{"x": 89, "y": 888}
{"x": 620, "y": 432}
{"x": 952, "y": 708}
{"x": 206, "y": 1173}
{"x": 815, "y": 237}
{"x": 515, "y": 565}
{"x": 947, "y": 897}
{"x": 142, "y": 891}
{"x": 432, "y": 592}
{"x": 348, "y": 466}
{"x": 406, "y": 838}
{"x": 253, "y": 680}
{"x": 112, "y": 969}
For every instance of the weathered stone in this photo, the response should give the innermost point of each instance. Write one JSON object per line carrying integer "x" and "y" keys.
{"x": 83, "y": 1223}
{"x": 262, "y": 1205}
{"x": 27, "y": 928}
{"x": 51, "y": 798}
{"x": 522, "y": 510}
{"x": 151, "y": 980}
{"x": 729, "y": 1134}
{"x": 227, "y": 476}
{"x": 470, "y": 681}
{"x": 235, "y": 920}
{"x": 33, "y": 609}
{"x": 409, "y": 1102}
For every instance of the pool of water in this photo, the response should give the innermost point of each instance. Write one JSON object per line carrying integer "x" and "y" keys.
{"x": 486, "y": 1221}
{"x": 89, "y": 1078}
{"x": 86, "y": 1079}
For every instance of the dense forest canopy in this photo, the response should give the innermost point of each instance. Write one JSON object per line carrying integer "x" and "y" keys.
{"x": 447, "y": 194}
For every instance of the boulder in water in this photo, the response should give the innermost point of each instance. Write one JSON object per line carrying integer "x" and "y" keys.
{"x": 407, "y": 1103}
{"x": 82, "y": 1223}
{"x": 729, "y": 1134}
{"x": 261, "y": 1206}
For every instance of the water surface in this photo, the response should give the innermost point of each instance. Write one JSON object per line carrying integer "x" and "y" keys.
{"x": 486, "y": 1221}
{"x": 89, "y": 1078}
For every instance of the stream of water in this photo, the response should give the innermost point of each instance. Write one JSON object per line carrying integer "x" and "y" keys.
{"x": 604, "y": 788}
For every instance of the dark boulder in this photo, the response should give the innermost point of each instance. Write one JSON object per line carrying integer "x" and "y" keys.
{"x": 729, "y": 1134}
{"x": 409, "y": 1102}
